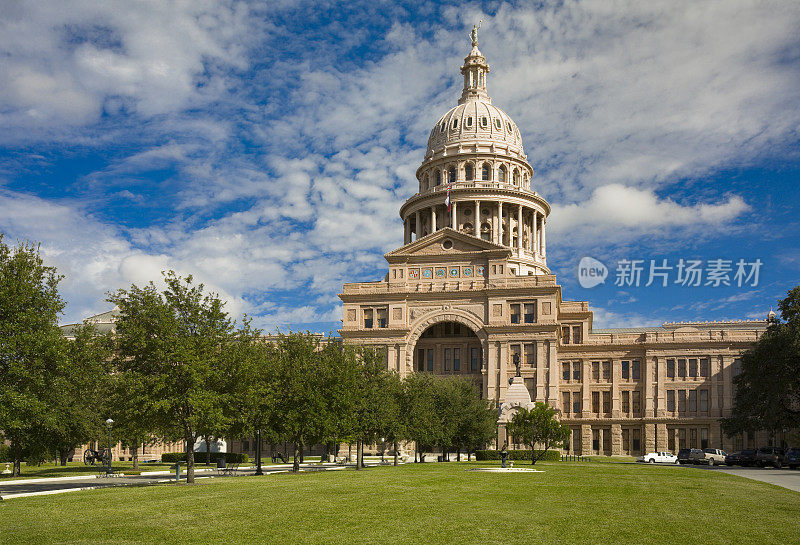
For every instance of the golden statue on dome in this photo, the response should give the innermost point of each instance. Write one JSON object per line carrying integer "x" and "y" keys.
{"x": 474, "y": 33}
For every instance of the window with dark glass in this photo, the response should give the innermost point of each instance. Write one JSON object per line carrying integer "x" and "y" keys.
{"x": 430, "y": 359}
{"x": 670, "y": 368}
{"x": 681, "y": 401}
{"x": 703, "y": 437}
{"x": 447, "y": 359}
{"x": 692, "y": 401}
{"x": 475, "y": 359}
{"x": 671, "y": 401}
{"x": 681, "y": 368}
{"x": 451, "y": 175}
{"x": 530, "y": 355}
{"x": 469, "y": 176}
{"x": 456, "y": 359}
{"x": 576, "y": 404}
{"x": 596, "y": 439}
{"x": 595, "y": 402}
{"x": 636, "y": 402}
{"x": 637, "y": 439}
{"x": 382, "y": 317}
{"x": 635, "y": 369}
{"x": 577, "y": 334}
{"x": 596, "y": 371}
{"x": 515, "y": 314}
{"x": 576, "y": 370}
{"x": 565, "y": 335}
{"x": 693, "y": 367}
{"x": 529, "y": 312}
{"x": 626, "y": 371}
{"x": 565, "y": 370}
{"x": 626, "y": 402}
{"x": 606, "y": 371}
{"x": 421, "y": 359}
{"x": 703, "y": 401}
{"x": 368, "y": 318}
{"x": 565, "y": 402}
{"x": 704, "y": 367}
{"x": 486, "y": 172}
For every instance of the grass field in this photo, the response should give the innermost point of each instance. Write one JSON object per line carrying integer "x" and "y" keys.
{"x": 423, "y": 503}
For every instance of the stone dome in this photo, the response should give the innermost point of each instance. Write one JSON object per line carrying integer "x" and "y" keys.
{"x": 475, "y": 120}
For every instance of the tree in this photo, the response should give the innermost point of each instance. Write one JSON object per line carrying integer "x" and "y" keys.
{"x": 538, "y": 426}
{"x": 767, "y": 390}
{"x": 173, "y": 344}
{"x": 32, "y": 348}
{"x": 419, "y": 408}
{"x": 475, "y": 419}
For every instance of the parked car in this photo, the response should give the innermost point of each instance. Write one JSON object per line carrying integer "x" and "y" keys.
{"x": 691, "y": 456}
{"x": 733, "y": 459}
{"x": 792, "y": 458}
{"x": 747, "y": 457}
{"x": 769, "y": 456}
{"x": 658, "y": 457}
{"x": 714, "y": 456}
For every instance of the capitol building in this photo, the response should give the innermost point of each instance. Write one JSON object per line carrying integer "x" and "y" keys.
{"x": 470, "y": 293}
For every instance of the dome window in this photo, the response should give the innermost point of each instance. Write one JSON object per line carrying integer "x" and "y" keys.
{"x": 438, "y": 177}
{"x": 469, "y": 121}
{"x": 508, "y": 126}
{"x": 451, "y": 175}
{"x": 442, "y": 126}
{"x": 484, "y": 122}
{"x": 447, "y": 244}
{"x": 426, "y": 183}
{"x": 468, "y": 212}
{"x": 502, "y": 175}
{"x": 516, "y": 177}
{"x": 498, "y": 124}
{"x": 455, "y": 124}
{"x": 469, "y": 173}
{"x": 467, "y": 228}
{"x": 486, "y": 172}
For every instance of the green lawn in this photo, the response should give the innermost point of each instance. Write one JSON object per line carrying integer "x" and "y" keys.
{"x": 77, "y": 468}
{"x": 423, "y": 503}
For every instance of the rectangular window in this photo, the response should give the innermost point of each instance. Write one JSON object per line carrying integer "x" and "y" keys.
{"x": 382, "y": 317}
{"x": 636, "y": 402}
{"x": 577, "y": 334}
{"x": 447, "y": 359}
{"x": 693, "y": 437}
{"x": 681, "y": 368}
{"x": 474, "y": 359}
{"x": 595, "y": 402}
{"x": 576, "y": 370}
{"x": 635, "y": 369}
{"x": 565, "y": 334}
{"x": 576, "y": 441}
{"x": 515, "y": 314}
{"x": 682, "y": 438}
{"x": 704, "y": 367}
{"x": 637, "y": 440}
{"x": 368, "y": 318}
{"x": 626, "y": 402}
{"x": 565, "y": 371}
{"x": 692, "y": 401}
{"x": 596, "y": 440}
{"x": 703, "y": 437}
{"x": 607, "y": 402}
{"x": 606, "y": 371}
{"x": 737, "y": 366}
{"x": 626, "y": 440}
{"x": 529, "y": 313}
{"x": 681, "y": 401}
{"x": 430, "y": 360}
{"x": 693, "y": 367}
{"x": 703, "y": 401}
{"x": 626, "y": 372}
{"x": 720, "y": 397}
{"x": 456, "y": 359}
{"x": 596, "y": 371}
{"x": 530, "y": 355}
{"x": 421, "y": 359}
{"x": 565, "y": 402}
{"x": 670, "y": 368}
{"x": 576, "y": 404}
{"x": 671, "y": 401}
{"x": 515, "y": 356}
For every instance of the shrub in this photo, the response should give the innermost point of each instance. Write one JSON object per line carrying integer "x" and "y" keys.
{"x": 200, "y": 457}
{"x": 549, "y": 456}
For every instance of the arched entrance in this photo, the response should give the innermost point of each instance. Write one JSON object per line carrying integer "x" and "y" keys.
{"x": 448, "y": 348}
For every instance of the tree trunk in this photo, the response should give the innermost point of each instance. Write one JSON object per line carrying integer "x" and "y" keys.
{"x": 16, "y": 448}
{"x": 189, "y": 460}
{"x": 296, "y": 462}
{"x": 208, "y": 450}
{"x": 135, "y": 452}
{"x": 458, "y": 454}
{"x": 358, "y": 455}
{"x": 396, "y": 455}
{"x": 62, "y": 457}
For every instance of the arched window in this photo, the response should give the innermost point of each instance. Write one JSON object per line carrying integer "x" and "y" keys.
{"x": 516, "y": 177}
{"x": 467, "y": 228}
{"x": 508, "y": 126}
{"x": 438, "y": 177}
{"x": 484, "y": 122}
{"x": 486, "y": 172}
{"x": 525, "y": 181}
{"x": 455, "y": 123}
{"x": 442, "y": 126}
{"x": 468, "y": 173}
{"x": 486, "y": 231}
{"x": 451, "y": 175}
{"x": 498, "y": 124}
{"x": 425, "y": 183}
{"x": 502, "y": 174}
{"x": 469, "y": 121}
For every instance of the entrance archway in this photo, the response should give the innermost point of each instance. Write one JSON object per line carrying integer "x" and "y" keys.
{"x": 448, "y": 348}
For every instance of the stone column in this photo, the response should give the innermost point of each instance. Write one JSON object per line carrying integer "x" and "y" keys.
{"x": 616, "y": 378}
{"x": 647, "y": 368}
{"x": 544, "y": 239}
{"x": 500, "y": 223}
{"x": 535, "y": 233}
{"x": 661, "y": 388}
{"x": 453, "y": 215}
{"x": 586, "y": 439}
{"x": 418, "y": 225}
{"x": 520, "y": 230}
{"x": 616, "y": 439}
{"x": 541, "y": 377}
{"x": 490, "y": 355}
{"x": 433, "y": 218}
{"x": 649, "y": 438}
{"x": 477, "y": 221}
{"x": 391, "y": 357}
{"x": 662, "y": 440}
{"x": 406, "y": 230}
{"x": 503, "y": 365}
{"x": 586, "y": 406}
{"x": 552, "y": 379}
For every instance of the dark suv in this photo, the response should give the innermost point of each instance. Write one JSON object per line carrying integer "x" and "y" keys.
{"x": 792, "y": 458}
{"x": 769, "y": 456}
{"x": 747, "y": 457}
{"x": 691, "y": 456}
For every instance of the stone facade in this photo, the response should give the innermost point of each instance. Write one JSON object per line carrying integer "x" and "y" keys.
{"x": 470, "y": 293}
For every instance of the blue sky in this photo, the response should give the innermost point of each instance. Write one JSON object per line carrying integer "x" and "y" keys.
{"x": 266, "y": 149}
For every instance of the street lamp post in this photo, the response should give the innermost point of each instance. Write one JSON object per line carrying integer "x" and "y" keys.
{"x": 109, "y": 423}
{"x": 258, "y": 453}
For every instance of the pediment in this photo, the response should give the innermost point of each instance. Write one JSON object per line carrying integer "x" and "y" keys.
{"x": 446, "y": 242}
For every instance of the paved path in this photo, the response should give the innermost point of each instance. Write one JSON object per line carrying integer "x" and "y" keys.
{"x": 785, "y": 477}
{"x": 35, "y": 487}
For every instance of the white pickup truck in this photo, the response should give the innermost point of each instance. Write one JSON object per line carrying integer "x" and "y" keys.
{"x": 658, "y": 457}
{"x": 714, "y": 456}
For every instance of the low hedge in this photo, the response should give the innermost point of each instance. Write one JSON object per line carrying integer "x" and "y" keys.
{"x": 549, "y": 456}
{"x": 200, "y": 457}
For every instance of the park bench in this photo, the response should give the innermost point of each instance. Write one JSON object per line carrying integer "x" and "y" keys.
{"x": 227, "y": 469}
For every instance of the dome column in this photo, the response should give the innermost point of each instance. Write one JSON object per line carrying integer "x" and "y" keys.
{"x": 418, "y": 225}
{"x": 519, "y": 227}
{"x": 433, "y": 218}
{"x": 499, "y": 223}
{"x": 477, "y": 221}
{"x": 544, "y": 239}
{"x": 454, "y": 215}
{"x": 535, "y": 233}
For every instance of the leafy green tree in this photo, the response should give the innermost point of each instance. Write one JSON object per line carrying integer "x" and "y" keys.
{"x": 173, "y": 343}
{"x": 32, "y": 349}
{"x": 538, "y": 426}
{"x": 475, "y": 419}
{"x": 421, "y": 420}
{"x": 767, "y": 391}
